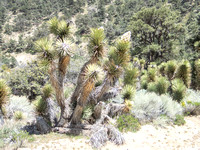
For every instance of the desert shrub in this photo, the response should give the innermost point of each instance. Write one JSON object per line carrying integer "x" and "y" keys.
{"x": 27, "y": 81}
{"x": 160, "y": 86}
{"x": 40, "y": 105}
{"x": 87, "y": 112}
{"x": 149, "y": 106}
{"x": 18, "y": 115}
{"x": 12, "y": 137}
{"x": 127, "y": 123}
{"x": 144, "y": 82}
{"x": 47, "y": 91}
{"x": 21, "y": 104}
{"x": 184, "y": 72}
{"x": 162, "y": 68}
{"x": 179, "y": 120}
{"x": 8, "y": 60}
{"x": 191, "y": 102}
{"x": 178, "y": 90}
{"x": 151, "y": 73}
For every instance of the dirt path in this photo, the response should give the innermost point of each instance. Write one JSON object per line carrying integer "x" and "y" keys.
{"x": 148, "y": 137}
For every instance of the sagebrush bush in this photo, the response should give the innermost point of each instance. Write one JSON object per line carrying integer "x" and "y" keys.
{"x": 178, "y": 89}
{"x": 127, "y": 123}
{"x": 21, "y": 104}
{"x": 191, "y": 101}
{"x": 149, "y": 106}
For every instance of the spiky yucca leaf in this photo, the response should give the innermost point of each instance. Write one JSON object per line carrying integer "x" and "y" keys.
{"x": 47, "y": 91}
{"x": 4, "y": 92}
{"x": 128, "y": 106}
{"x": 59, "y": 28}
{"x": 113, "y": 71}
{"x": 184, "y": 72}
{"x": 128, "y": 92}
{"x": 130, "y": 75}
{"x": 94, "y": 72}
{"x": 162, "y": 68}
{"x": 53, "y": 25}
{"x": 40, "y": 105}
{"x": 162, "y": 85}
{"x": 171, "y": 67}
{"x": 96, "y": 42}
{"x": 178, "y": 89}
{"x": 144, "y": 81}
{"x": 46, "y": 47}
{"x": 152, "y": 72}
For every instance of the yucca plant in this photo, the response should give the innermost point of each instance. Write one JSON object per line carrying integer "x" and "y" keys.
{"x": 40, "y": 105}
{"x": 152, "y": 73}
{"x": 178, "y": 89}
{"x": 130, "y": 75}
{"x": 96, "y": 50}
{"x": 160, "y": 86}
{"x": 47, "y": 91}
{"x": 170, "y": 69}
{"x": 144, "y": 81}
{"x": 4, "y": 92}
{"x": 184, "y": 72}
{"x": 92, "y": 74}
{"x": 128, "y": 92}
{"x": 162, "y": 68}
{"x": 197, "y": 69}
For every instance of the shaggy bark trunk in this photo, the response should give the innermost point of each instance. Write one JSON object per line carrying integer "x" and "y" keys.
{"x": 80, "y": 82}
{"x": 82, "y": 101}
{"x": 58, "y": 84}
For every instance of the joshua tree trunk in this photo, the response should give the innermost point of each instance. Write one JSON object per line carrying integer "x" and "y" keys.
{"x": 82, "y": 101}
{"x": 58, "y": 84}
{"x": 80, "y": 81}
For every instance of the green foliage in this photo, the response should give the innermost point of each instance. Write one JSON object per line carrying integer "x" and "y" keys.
{"x": 127, "y": 123}
{"x": 179, "y": 120}
{"x": 4, "y": 92}
{"x": 87, "y": 112}
{"x": 160, "y": 86}
{"x": 147, "y": 26}
{"x": 170, "y": 69}
{"x": 47, "y": 91}
{"x": 197, "y": 71}
{"x": 178, "y": 89}
{"x": 128, "y": 92}
{"x": 152, "y": 72}
{"x": 40, "y": 105}
{"x": 130, "y": 75}
{"x": 184, "y": 72}
{"x": 96, "y": 42}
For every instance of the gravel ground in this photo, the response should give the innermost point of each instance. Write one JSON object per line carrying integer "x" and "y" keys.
{"x": 185, "y": 137}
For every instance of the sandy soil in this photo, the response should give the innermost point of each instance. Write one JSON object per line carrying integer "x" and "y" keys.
{"x": 185, "y": 137}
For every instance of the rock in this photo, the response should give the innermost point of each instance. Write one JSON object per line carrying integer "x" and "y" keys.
{"x": 196, "y": 111}
{"x": 42, "y": 125}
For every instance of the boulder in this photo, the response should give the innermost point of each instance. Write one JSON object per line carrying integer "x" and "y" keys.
{"x": 42, "y": 126}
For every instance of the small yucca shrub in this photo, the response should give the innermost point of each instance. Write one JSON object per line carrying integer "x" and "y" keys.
{"x": 160, "y": 86}
{"x": 128, "y": 92}
{"x": 170, "y": 69}
{"x": 144, "y": 82}
{"x": 197, "y": 69}
{"x": 130, "y": 75}
{"x": 184, "y": 72}
{"x": 152, "y": 73}
{"x": 47, "y": 91}
{"x": 162, "y": 68}
{"x": 40, "y": 105}
{"x": 18, "y": 115}
{"x": 4, "y": 92}
{"x": 178, "y": 89}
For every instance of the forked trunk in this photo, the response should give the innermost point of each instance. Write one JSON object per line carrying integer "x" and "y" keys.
{"x": 80, "y": 81}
